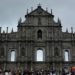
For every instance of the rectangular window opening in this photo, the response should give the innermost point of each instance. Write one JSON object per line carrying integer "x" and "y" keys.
{"x": 13, "y": 56}
{"x": 66, "y": 55}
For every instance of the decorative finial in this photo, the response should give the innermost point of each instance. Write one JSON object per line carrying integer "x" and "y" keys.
{"x": 58, "y": 19}
{"x": 12, "y": 30}
{"x": 7, "y": 30}
{"x": 51, "y": 11}
{"x": 71, "y": 29}
{"x": 31, "y": 8}
{"x": 46, "y": 9}
{"x": 59, "y": 22}
{"x": 67, "y": 30}
{"x": 0, "y": 29}
{"x": 20, "y": 20}
{"x": 3, "y": 31}
{"x": 27, "y": 11}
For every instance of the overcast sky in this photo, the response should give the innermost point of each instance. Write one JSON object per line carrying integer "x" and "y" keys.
{"x": 12, "y": 10}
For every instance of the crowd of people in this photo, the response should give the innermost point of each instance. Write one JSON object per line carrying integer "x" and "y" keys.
{"x": 26, "y": 72}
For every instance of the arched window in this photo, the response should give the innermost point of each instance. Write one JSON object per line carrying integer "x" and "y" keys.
{"x": 39, "y": 34}
{"x": 56, "y": 52}
{"x": 66, "y": 55}
{"x": 39, "y": 55}
{"x": 13, "y": 55}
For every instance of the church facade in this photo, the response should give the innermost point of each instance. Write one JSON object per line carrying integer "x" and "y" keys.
{"x": 38, "y": 44}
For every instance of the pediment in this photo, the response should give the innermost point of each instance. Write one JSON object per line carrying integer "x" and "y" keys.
{"x": 40, "y": 11}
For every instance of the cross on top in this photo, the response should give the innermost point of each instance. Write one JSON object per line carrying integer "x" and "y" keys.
{"x": 39, "y": 4}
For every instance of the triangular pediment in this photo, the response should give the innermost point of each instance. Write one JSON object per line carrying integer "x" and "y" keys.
{"x": 39, "y": 11}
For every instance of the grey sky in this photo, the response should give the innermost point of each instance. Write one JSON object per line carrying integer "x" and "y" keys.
{"x": 12, "y": 10}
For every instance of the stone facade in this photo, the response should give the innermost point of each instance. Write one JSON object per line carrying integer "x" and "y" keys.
{"x": 38, "y": 31}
